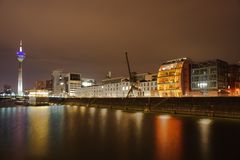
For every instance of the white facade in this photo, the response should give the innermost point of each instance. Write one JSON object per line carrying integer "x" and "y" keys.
{"x": 148, "y": 89}
{"x": 59, "y": 87}
{"x": 119, "y": 89}
{"x": 65, "y": 84}
{"x": 68, "y": 84}
{"x": 73, "y": 83}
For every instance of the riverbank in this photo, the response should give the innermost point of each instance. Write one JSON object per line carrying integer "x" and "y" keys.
{"x": 23, "y": 101}
{"x": 7, "y": 102}
{"x": 226, "y": 107}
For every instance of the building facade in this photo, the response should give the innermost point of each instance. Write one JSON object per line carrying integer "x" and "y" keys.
{"x": 39, "y": 85}
{"x": 174, "y": 78}
{"x": 120, "y": 86}
{"x": 59, "y": 83}
{"x": 209, "y": 78}
{"x": 49, "y": 85}
{"x": 234, "y": 80}
{"x": 68, "y": 84}
{"x": 72, "y": 82}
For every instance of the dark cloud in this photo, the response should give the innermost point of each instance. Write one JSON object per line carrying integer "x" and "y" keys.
{"x": 91, "y": 36}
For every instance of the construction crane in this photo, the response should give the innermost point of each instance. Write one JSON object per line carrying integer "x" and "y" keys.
{"x": 132, "y": 78}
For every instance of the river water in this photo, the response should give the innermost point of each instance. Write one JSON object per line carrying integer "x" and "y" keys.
{"x": 78, "y": 132}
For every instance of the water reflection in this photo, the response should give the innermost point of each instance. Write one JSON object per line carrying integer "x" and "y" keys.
{"x": 82, "y": 110}
{"x": 19, "y": 119}
{"x": 38, "y": 130}
{"x": 168, "y": 137}
{"x": 20, "y": 130}
{"x": 204, "y": 125}
{"x": 73, "y": 132}
{"x": 102, "y": 121}
{"x": 164, "y": 117}
{"x": 92, "y": 111}
{"x": 2, "y": 113}
{"x": 138, "y": 118}
{"x": 91, "y": 119}
{"x": 71, "y": 120}
{"x": 118, "y": 117}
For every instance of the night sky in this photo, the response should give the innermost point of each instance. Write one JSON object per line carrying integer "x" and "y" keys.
{"x": 91, "y": 36}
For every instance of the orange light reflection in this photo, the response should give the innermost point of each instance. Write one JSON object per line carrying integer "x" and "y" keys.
{"x": 168, "y": 137}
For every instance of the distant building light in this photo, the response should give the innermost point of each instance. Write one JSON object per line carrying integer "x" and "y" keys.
{"x": 38, "y": 93}
{"x": 87, "y": 84}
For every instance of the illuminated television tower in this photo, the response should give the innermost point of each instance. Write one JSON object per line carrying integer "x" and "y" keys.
{"x": 20, "y": 56}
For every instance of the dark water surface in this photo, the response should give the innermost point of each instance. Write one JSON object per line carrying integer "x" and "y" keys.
{"x": 74, "y": 132}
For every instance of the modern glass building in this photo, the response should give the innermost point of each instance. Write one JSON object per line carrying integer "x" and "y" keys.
{"x": 209, "y": 78}
{"x": 174, "y": 78}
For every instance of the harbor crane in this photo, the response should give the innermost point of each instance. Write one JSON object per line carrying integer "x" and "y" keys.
{"x": 132, "y": 78}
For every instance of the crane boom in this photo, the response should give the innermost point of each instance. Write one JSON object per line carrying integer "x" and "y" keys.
{"x": 129, "y": 69}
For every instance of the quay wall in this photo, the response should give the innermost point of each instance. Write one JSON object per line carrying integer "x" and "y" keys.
{"x": 228, "y": 107}
{"x": 6, "y": 102}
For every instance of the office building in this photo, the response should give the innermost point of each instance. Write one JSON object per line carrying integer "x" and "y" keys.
{"x": 59, "y": 83}
{"x": 209, "y": 78}
{"x": 72, "y": 82}
{"x": 40, "y": 85}
{"x": 234, "y": 80}
{"x": 49, "y": 85}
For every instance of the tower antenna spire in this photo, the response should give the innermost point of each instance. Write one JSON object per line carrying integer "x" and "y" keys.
{"x": 20, "y": 46}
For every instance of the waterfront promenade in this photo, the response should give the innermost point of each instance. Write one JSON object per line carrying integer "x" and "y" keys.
{"x": 226, "y": 107}
{"x": 200, "y": 106}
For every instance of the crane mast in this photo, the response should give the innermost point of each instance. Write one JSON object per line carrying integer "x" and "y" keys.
{"x": 132, "y": 79}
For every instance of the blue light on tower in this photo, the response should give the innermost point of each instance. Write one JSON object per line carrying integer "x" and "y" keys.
{"x": 20, "y": 54}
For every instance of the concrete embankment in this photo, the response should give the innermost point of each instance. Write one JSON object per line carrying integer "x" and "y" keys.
{"x": 7, "y": 102}
{"x": 25, "y": 101}
{"x": 228, "y": 107}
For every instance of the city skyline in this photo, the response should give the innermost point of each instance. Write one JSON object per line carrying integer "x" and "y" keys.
{"x": 66, "y": 36}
